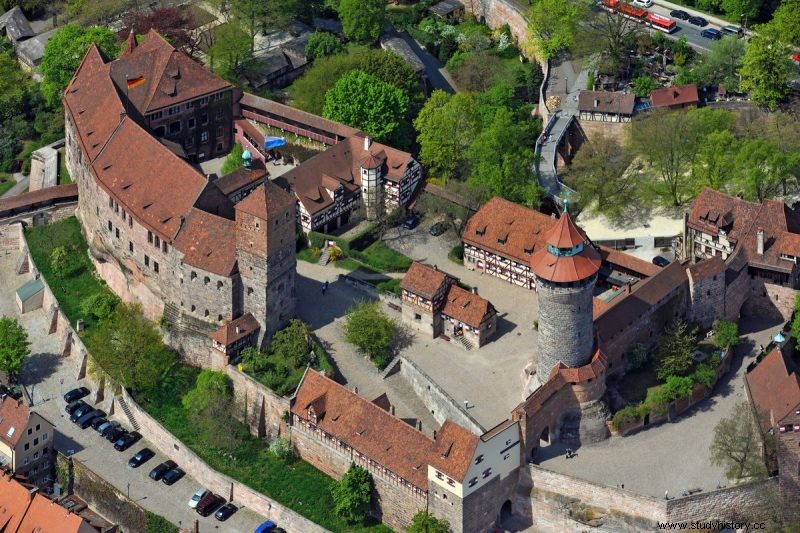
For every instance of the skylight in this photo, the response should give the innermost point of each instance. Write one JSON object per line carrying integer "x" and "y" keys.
{"x": 10, "y": 431}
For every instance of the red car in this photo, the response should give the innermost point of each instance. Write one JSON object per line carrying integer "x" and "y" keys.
{"x": 796, "y": 57}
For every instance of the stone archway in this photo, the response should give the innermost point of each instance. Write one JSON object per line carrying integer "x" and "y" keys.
{"x": 544, "y": 437}
{"x": 506, "y": 511}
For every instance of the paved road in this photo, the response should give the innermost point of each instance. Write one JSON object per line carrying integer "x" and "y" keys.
{"x": 21, "y": 185}
{"x": 42, "y": 375}
{"x": 437, "y": 74}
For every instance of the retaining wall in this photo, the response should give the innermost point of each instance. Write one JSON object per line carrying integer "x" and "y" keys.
{"x": 263, "y": 408}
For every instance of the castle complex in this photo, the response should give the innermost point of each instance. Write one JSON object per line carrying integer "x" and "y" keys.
{"x": 216, "y": 259}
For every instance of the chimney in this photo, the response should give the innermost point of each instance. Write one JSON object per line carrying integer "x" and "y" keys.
{"x": 760, "y": 241}
{"x": 355, "y": 390}
{"x": 434, "y": 434}
{"x": 419, "y": 425}
{"x": 392, "y": 407}
{"x": 237, "y": 330}
{"x": 367, "y": 143}
{"x": 474, "y": 290}
{"x": 436, "y": 267}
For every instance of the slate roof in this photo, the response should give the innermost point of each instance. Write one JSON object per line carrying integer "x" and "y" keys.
{"x": 424, "y": 280}
{"x": 521, "y": 230}
{"x": 774, "y": 388}
{"x": 400, "y": 47}
{"x": 566, "y": 268}
{"x": 227, "y": 335}
{"x": 385, "y": 439}
{"x": 31, "y": 50}
{"x": 466, "y": 306}
{"x": 208, "y": 242}
{"x": 606, "y": 102}
{"x": 170, "y": 76}
{"x": 15, "y": 25}
{"x": 674, "y": 96}
{"x": 13, "y": 414}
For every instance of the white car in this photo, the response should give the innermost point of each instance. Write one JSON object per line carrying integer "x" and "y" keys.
{"x": 643, "y": 3}
{"x": 197, "y": 497}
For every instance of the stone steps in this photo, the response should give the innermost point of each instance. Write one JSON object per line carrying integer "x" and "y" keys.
{"x": 463, "y": 340}
{"x": 125, "y": 409}
{"x": 325, "y": 257}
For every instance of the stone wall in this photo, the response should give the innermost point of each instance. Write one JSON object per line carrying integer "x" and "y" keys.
{"x": 547, "y": 413}
{"x": 263, "y": 408}
{"x": 436, "y": 399}
{"x": 707, "y": 298}
{"x": 769, "y": 300}
{"x": 11, "y": 238}
{"x": 495, "y": 13}
{"x": 743, "y": 502}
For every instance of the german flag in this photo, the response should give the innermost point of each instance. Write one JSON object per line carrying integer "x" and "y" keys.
{"x": 135, "y": 82}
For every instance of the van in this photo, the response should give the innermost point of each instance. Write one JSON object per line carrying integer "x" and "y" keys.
{"x": 730, "y": 29}
{"x": 711, "y": 33}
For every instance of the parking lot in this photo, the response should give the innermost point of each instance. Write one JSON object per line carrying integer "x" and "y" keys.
{"x": 47, "y": 376}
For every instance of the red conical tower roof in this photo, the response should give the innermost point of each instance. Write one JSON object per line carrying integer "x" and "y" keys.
{"x": 568, "y": 256}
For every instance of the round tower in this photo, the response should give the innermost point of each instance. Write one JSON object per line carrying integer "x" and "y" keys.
{"x": 566, "y": 271}
{"x": 371, "y": 181}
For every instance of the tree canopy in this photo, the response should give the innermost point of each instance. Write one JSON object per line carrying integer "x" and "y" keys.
{"x": 352, "y": 494}
{"x": 736, "y": 447}
{"x": 323, "y": 44}
{"x": 726, "y": 333}
{"x": 363, "y": 101}
{"x": 14, "y": 346}
{"x": 231, "y": 50}
{"x": 552, "y": 25}
{"x": 675, "y": 349}
{"x": 64, "y": 52}
{"x": 785, "y": 22}
{"x": 424, "y": 522}
{"x": 362, "y": 20}
{"x": 14, "y": 87}
{"x": 720, "y": 66}
{"x": 766, "y": 68}
{"x": 371, "y": 330}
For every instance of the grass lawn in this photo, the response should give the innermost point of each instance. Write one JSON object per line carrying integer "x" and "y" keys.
{"x": 299, "y": 486}
{"x": 63, "y": 173}
{"x": 381, "y": 257}
{"x": 80, "y": 281}
{"x": 6, "y": 182}
{"x": 307, "y": 255}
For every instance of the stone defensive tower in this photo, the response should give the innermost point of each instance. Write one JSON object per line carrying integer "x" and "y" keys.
{"x": 265, "y": 245}
{"x": 566, "y": 271}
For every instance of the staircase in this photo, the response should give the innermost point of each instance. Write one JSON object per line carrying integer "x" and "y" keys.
{"x": 463, "y": 340}
{"x": 326, "y": 255}
{"x": 127, "y": 410}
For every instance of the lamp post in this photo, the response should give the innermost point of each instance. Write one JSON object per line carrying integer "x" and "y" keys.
{"x": 744, "y": 16}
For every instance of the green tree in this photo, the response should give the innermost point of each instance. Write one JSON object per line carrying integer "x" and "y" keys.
{"x": 211, "y": 407}
{"x": 99, "y": 305}
{"x": 766, "y": 68}
{"x": 60, "y": 262}
{"x": 14, "y": 346}
{"x": 785, "y": 23}
{"x": 352, "y": 494}
{"x": 64, "y": 52}
{"x": 209, "y": 387}
{"x": 714, "y": 164}
{"x": 738, "y": 8}
{"x": 446, "y": 126}
{"x": 230, "y": 51}
{"x": 130, "y": 349}
{"x": 599, "y": 172}
{"x": 424, "y": 522}
{"x": 501, "y": 160}
{"x": 726, "y": 333}
{"x": 251, "y": 16}
{"x": 553, "y": 24}
{"x": 254, "y": 359}
{"x": 760, "y": 169}
{"x": 14, "y": 87}
{"x": 362, "y": 20}
{"x": 643, "y": 85}
{"x": 370, "y": 329}
{"x": 637, "y": 356}
{"x": 736, "y": 447}
{"x": 308, "y": 91}
{"x": 365, "y": 102}
{"x": 720, "y": 66}
{"x": 282, "y": 450}
{"x": 234, "y": 159}
{"x": 323, "y": 44}
{"x": 675, "y": 349}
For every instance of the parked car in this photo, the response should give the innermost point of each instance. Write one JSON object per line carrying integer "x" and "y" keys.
{"x": 267, "y": 527}
{"x": 86, "y": 420}
{"x": 99, "y": 421}
{"x": 411, "y": 221}
{"x": 76, "y": 394}
{"x": 115, "y": 433}
{"x": 697, "y": 21}
{"x": 438, "y": 229}
{"x": 711, "y": 33}
{"x": 196, "y": 497}
{"x": 208, "y": 504}
{"x": 643, "y": 3}
{"x": 159, "y": 471}
{"x": 106, "y": 428}
{"x": 660, "y": 261}
{"x": 126, "y": 441}
{"x": 141, "y": 457}
{"x": 730, "y": 29}
{"x": 225, "y": 512}
{"x": 172, "y": 476}
{"x": 80, "y": 411}
{"x": 73, "y": 406}
{"x": 679, "y": 14}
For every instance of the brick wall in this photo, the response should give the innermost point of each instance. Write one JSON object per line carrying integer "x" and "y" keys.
{"x": 11, "y": 238}
{"x": 498, "y": 12}
{"x": 707, "y": 298}
{"x": 546, "y": 416}
{"x": 263, "y": 408}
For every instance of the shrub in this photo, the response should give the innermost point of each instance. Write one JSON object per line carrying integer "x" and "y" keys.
{"x": 99, "y": 305}
{"x": 391, "y": 286}
{"x": 625, "y": 416}
{"x": 322, "y": 44}
{"x": 678, "y": 387}
{"x": 352, "y": 494}
{"x": 234, "y": 159}
{"x": 704, "y": 374}
{"x": 336, "y": 253}
{"x": 282, "y": 450}
{"x": 370, "y": 330}
{"x": 726, "y": 334}
{"x": 637, "y": 357}
{"x": 457, "y": 254}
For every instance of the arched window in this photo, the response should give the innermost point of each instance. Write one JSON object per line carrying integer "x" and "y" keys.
{"x": 206, "y": 280}
{"x": 193, "y": 275}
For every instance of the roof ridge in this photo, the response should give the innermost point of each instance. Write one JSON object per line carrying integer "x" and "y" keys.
{"x": 110, "y": 137}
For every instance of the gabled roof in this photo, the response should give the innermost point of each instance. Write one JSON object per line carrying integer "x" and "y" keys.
{"x": 606, "y": 102}
{"x": 299, "y": 117}
{"x": 208, "y": 242}
{"x": 377, "y": 434}
{"x": 241, "y": 177}
{"x": 228, "y": 334}
{"x": 774, "y": 388}
{"x": 621, "y": 260}
{"x": 14, "y": 502}
{"x": 45, "y": 516}
{"x": 674, "y": 96}
{"x": 15, "y": 25}
{"x": 424, "y": 280}
{"x": 266, "y": 200}
{"x": 707, "y": 268}
{"x": 168, "y": 76}
{"x": 580, "y": 264}
{"x": 466, "y": 306}
{"x": 14, "y": 416}
{"x": 508, "y": 229}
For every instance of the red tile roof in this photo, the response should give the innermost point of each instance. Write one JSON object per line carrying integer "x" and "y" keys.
{"x": 227, "y": 334}
{"x": 625, "y": 261}
{"x": 674, "y": 96}
{"x": 13, "y": 414}
{"x": 14, "y": 502}
{"x": 45, "y": 516}
{"x": 566, "y": 268}
{"x": 298, "y": 116}
{"x": 707, "y": 268}
{"x": 606, "y": 102}
{"x": 315, "y": 180}
{"x": 377, "y": 434}
{"x": 467, "y": 307}
{"x": 508, "y": 229}
{"x": 241, "y": 177}
{"x": 424, "y": 280}
{"x": 170, "y": 77}
{"x": 266, "y": 200}
{"x": 774, "y": 388}
{"x": 48, "y": 194}
{"x": 208, "y": 242}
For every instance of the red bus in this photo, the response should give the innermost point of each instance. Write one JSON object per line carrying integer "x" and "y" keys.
{"x": 626, "y": 10}
{"x": 661, "y": 23}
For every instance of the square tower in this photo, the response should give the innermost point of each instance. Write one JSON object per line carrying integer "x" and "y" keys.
{"x": 265, "y": 250}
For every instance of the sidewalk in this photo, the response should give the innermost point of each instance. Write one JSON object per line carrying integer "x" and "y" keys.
{"x": 710, "y": 18}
